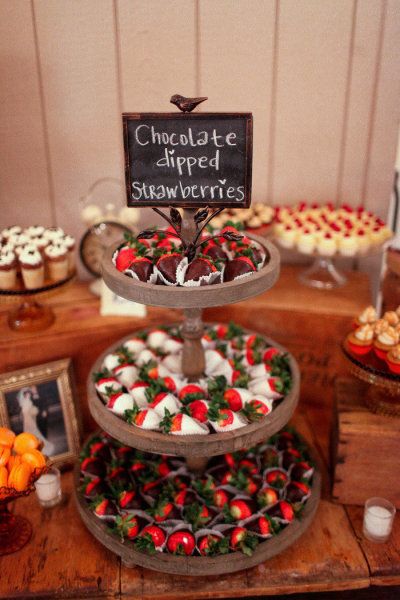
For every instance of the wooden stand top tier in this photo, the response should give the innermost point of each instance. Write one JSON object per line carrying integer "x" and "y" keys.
{"x": 193, "y": 297}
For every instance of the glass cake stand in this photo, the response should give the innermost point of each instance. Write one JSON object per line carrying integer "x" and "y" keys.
{"x": 322, "y": 273}
{"x": 383, "y": 394}
{"x": 30, "y": 314}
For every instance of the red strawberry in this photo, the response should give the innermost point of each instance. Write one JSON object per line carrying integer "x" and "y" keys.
{"x": 163, "y": 468}
{"x": 212, "y": 544}
{"x": 101, "y": 450}
{"x": 249, "y": 465}
{"x": 164, "y": 510}
{"x": 221, "y": 331}
{"x": 270, "y": 353}
{"x": 290, "y": 456}
{"x": 220, "y": 498}
{"x": 181, "y": 542}
{"x": 240, "y": 509}
{"x": 230, "y": 460}
{"x": 267, "y": 496}
{"x": 225, "y": 417}
{"x": 137, "y": 466}
{"x": 198, "y": 410}
{"x": 276, "y": 478}
{"x": 227, "y": 477}
{"x": 169, "y": 384}
{"x": 156, "y": 534}
{"x": 241, "y": 539}
{"x": 128, "y": 526}
{"x": 118, "y": 475}
{"x": 255, "y": 409}
{"x": 124, "y": 258}
{"x": 184, "y": 497}
{"x": 191, "y": 392}
{"x": 234, "y": 399}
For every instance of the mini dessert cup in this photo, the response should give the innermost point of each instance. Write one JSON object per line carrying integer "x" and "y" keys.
{"x": 385, "y": 342}
{"x": 8, "y": 271}
{"x": 393, "y": 359}
{"x": 32, "y": 269}
{"x": 361, "y": 341}
{"x": 56, "y": 256}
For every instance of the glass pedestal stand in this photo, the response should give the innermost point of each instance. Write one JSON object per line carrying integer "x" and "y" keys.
{"x": 322, "y": 274}
{"x": 30, "y": 314}
{"x": 15, "y": 531}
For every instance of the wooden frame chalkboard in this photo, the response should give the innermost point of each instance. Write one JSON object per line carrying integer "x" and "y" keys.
{"x": 159, "y": 163}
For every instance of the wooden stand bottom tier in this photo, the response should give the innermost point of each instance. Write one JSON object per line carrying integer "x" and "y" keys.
{"x": 200, "y": 565}
{"x": 365, "y": 448}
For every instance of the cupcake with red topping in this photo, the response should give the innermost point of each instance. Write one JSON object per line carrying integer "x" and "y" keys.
{"x": 393, "y": 359}
{"x": 385, "y": 341}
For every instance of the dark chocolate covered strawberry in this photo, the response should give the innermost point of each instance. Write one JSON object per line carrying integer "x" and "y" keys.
{"x": 276, "y": 478}
{"x": 241, "y": 265}
{"x": 93, "y": 466}
{"x": 290, "y": 456}
{"x": 260, "y": 524}
{"x": 214, "y": 251}
{"x": 199, "y": 267}
{"x": 101, "y": 450}
{"x": 140, "y": 266}
{"x": 130, "y": 500}
{"x": 221, "y": 497}
{"x": 104, "y": 508}
{"x": 283, "y": 510}
{"x": 301, "y": 470}
{"x": 185, "y": 497}
{"x": 118, "y": 476}
{"x": 296, "y": 491}
{"x": 285, "y": 440}
{"x": 165, "y": 509}
{"x": 243, "y": 540}
{"x": 168, "y": 264}
{"x": 198, "y": 515}
{"x": 94, "y": 487}
{"x": 212, "y": 545}
{"x": 270, "y": 457}
{"x": 181, "y": 542}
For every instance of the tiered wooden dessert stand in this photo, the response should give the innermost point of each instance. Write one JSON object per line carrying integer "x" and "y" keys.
{"x": 196, "y": 448}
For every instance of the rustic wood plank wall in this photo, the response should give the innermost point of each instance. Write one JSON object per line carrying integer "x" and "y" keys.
{"x": 321, "y": 77}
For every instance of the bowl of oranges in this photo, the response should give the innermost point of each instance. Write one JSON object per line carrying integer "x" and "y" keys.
{"x": 21, "y": 464}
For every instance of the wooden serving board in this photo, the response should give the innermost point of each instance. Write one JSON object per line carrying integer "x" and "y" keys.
{"x": 192, "y": 445}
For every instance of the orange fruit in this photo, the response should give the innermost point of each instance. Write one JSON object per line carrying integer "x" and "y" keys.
{"x": 7, "y": 437}
{"x": 12, "y": 461}
{"x": 5, "y": 454}
{"x": 3, "y": 477}
{"x": 34, "y": 458}
{"x": 24, "y": 442}
{"x": 20, "y": 476}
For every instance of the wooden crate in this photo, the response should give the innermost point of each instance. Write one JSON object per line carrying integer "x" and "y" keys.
{"x": 365, "y": 449}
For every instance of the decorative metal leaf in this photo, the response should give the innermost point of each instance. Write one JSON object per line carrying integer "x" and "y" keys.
{"x": 231, "y": 236}
{"x": 146, "y": 234}
{"x": 175, "y": 217}
{"x": 191, "y": 252}
{"x": 201, "y": 214}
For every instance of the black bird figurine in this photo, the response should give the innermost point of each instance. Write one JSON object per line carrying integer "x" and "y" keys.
{"x": 186, "y": 104}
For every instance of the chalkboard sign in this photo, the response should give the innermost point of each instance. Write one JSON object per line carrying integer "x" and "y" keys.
{"x": 189, "y": 160}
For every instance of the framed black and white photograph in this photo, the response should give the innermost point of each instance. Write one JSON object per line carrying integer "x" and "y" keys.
{"x": 41, "y": 400}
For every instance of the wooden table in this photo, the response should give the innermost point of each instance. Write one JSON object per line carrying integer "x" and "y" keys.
{"x": 64, "y": 560}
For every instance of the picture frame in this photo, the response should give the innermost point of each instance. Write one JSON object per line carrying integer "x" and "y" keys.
{"x": 41, "y": 399}
{"x": 113, "y": 305}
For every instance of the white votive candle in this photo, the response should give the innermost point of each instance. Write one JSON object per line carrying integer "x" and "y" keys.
{"x": 48, "y": 488}
{"x": 378, "y": 519}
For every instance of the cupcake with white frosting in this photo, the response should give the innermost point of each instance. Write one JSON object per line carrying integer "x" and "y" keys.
{"x": 69, "y": 243}
{"x": 9, "y": 231}
{"x": 8, "y": 270}
{"x": 53, "y": 234}
{"x": 386, "y": 341}
{"x": 56, "y": 256}
{"x": 32, "y": 268}
{"x": 34, "y": 231}
{"x": 360, "y": 341}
